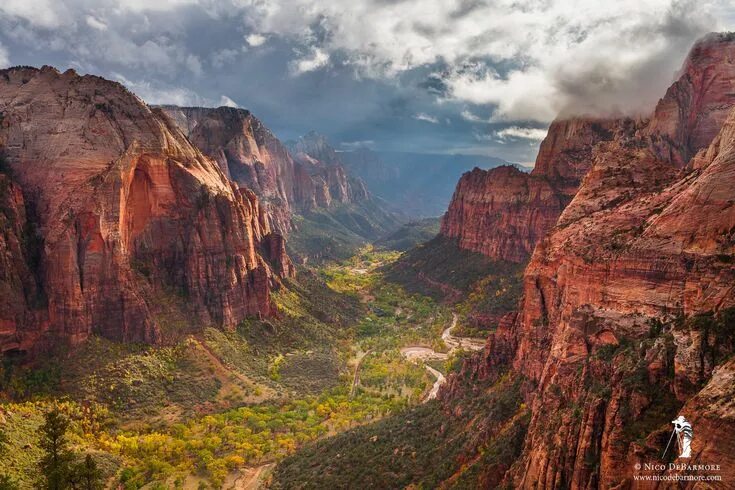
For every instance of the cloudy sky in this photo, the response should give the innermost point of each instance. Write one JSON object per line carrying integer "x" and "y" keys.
{"x": 455, "y": 76}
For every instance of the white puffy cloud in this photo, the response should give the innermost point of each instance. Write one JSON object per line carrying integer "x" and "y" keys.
{"x": 95, "y": 23}
{"x": 155, "y": 5}
{"x": 227, "y": 102}
{"x": 524, "y": 60}
{"x": 557, "y": 55}
{"x": 156, "y": 93}
{"x": 515, "y": 132}
{"x": 255, "y": 39}
{"x": 41, "y": 13}
{"x": 521, "y": 95}
{"x": 470, "y": 116}
{"x": 422, "y": 116}
{"x": 316, "y": 59}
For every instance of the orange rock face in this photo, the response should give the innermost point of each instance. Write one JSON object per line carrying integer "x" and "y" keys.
{"x": 503, "y": 212}
{"x": 627, "y": 317}
{"x": 695, "y": 107}
{"x": 124, "y": 209}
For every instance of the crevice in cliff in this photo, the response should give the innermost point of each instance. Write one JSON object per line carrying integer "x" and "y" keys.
{"x": 33, "y": 246}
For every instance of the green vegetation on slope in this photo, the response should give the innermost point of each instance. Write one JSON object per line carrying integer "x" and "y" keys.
{"x": 338, "y": 232}
{"x": 410, "y": 235}
{"x": 212, "y": 402}
{"x": 465, "y": 445}
{"x": 482, "y": 289}
{"x": 440, "y": 261}
{"x": 395, "y": 317}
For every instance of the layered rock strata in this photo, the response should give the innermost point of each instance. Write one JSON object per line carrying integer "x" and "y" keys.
{"x": 112, "y": 207}
{"x": 628, "y": 313}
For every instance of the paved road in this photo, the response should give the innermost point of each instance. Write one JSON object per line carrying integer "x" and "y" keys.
{"x": 454, "y": 342}
{"x": 356, "y": 377}
{"x": 419, "y": 353}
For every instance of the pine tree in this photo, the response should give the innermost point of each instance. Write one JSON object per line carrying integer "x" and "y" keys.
{"x": 86, "y": 475}
{"x": 56, "y": 462}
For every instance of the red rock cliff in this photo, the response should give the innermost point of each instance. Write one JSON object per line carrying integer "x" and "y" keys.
{"x": 114, "y": 206}
{"x": 697, "y": 104}
{"x": 503, "y": 217}
{"x": 627, "y": 318}
{"x": 503, "y": 212}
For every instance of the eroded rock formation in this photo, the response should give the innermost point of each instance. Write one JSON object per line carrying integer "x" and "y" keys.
{"x": 111, "y": 208}
{"x": 627, "y": 318}
{"x": 503, "y": 212}
{"x": 249, "y": 154}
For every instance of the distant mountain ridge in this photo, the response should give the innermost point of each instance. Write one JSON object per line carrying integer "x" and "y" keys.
{"x": 419, "y": 184}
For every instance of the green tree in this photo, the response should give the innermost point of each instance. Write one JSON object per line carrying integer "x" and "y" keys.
{"x": 7, "y": 483}
{"x": 4, "y": 441}
{"x": 56, "y": 462}
{"x": 86, "y": 475}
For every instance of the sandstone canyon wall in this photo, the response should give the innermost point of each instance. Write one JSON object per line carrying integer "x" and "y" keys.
{"x": 627, "y": 315}
{"x": 503, "y": 212}
{"x": 250, "y": 155}
{"x": 325, "y": 165}
{"x": 107, "y": 205}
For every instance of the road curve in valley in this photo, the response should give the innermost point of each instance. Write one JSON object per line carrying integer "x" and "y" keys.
{"x": 420, "y": 353}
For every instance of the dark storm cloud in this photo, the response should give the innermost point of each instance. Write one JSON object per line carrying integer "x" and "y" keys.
{"x": 416, "y": 75}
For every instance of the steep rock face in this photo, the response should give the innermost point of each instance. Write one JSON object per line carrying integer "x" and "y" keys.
{"x": 329, "y": 183}
{"x": 627, "y": 318}
{"x": 124, "y": 208}
{"x": 327, "y": 170}
{"x": 503, "y": 212}
{"x": 505, "y": 221}
{"x": 317, "y": 147}
{"x": 695, "y": 107}
{"x": 254, "y": 158}
{"x": 649, "y": 248}
{"x": 565, "y": 155}
{"x": 18, "y": 288}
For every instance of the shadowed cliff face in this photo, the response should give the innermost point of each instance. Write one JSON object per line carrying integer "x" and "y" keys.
{"x": 247, "y": 152}
{"x": 250, "y": 155}
{"x": 114, "y": 206}
{"x": 627, "y": 318}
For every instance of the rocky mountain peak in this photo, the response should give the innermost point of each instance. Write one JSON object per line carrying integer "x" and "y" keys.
{"x": 316, "y": 146}
{"x": 693, "y": 109}
{"x": 625, "y": 300}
